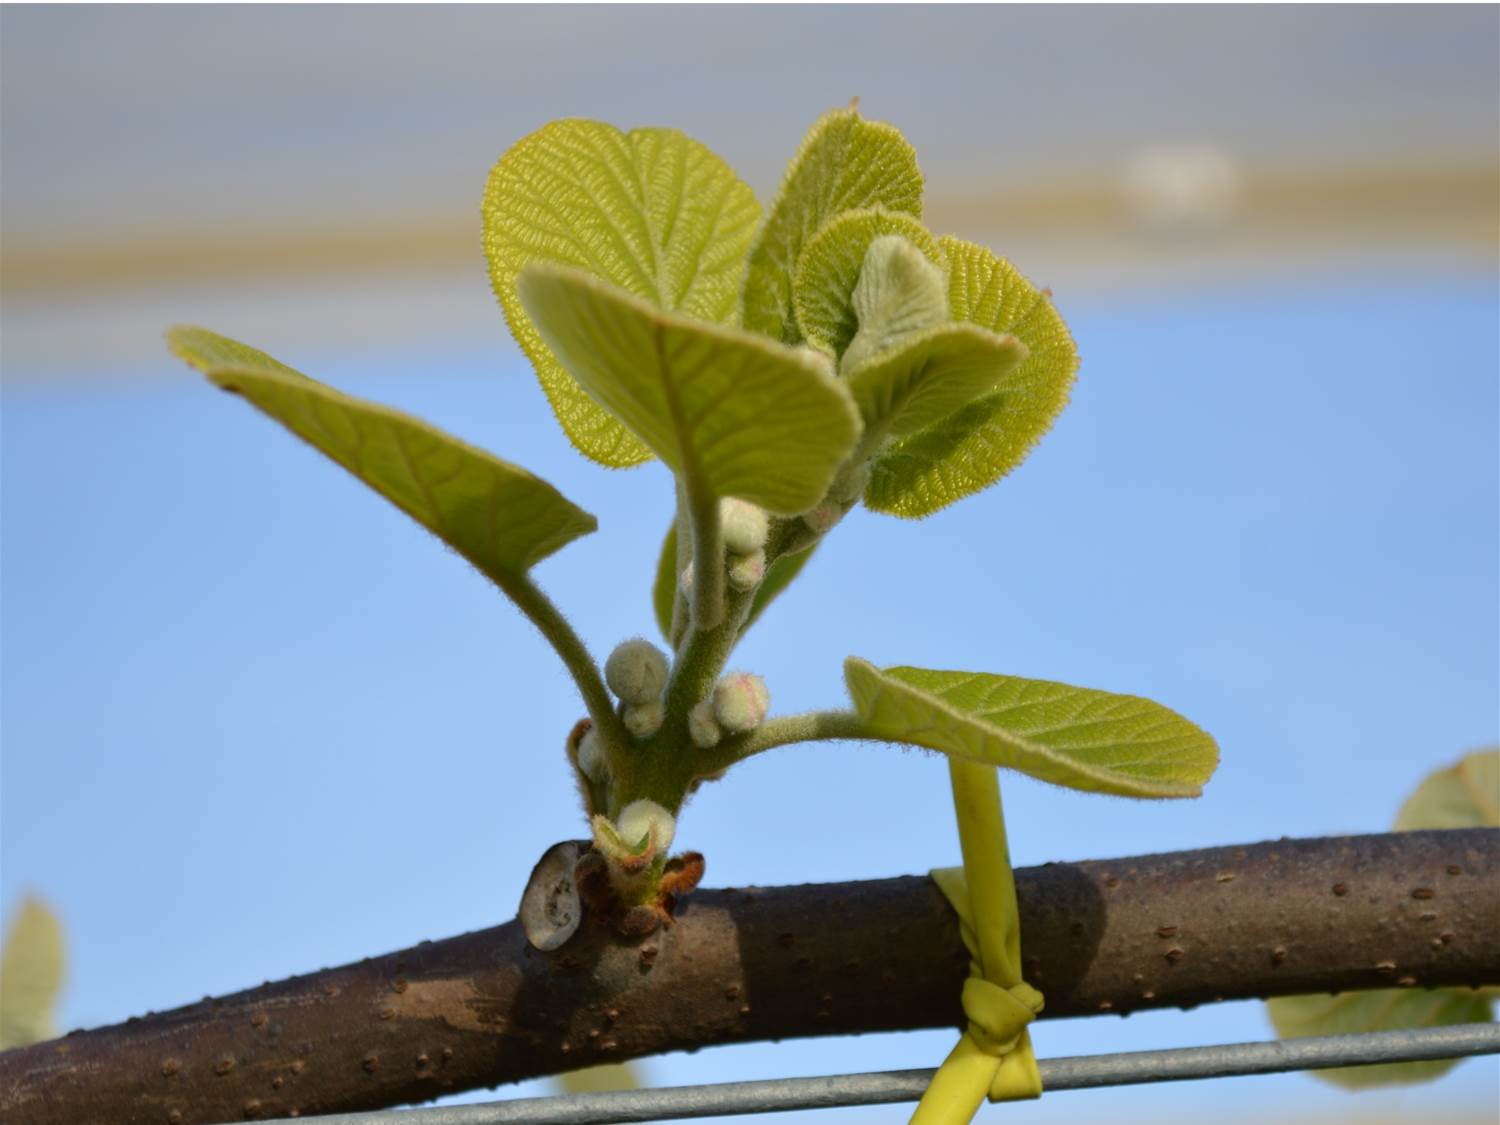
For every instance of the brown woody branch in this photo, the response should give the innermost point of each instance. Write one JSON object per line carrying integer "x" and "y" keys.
{"x": 1412, "y": 910}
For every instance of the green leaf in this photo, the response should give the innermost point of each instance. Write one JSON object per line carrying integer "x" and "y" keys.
{"x": 1388, "y": 1009}
{"x": 1077, "y": 737}
{"x": 1465, "y": 795}
{"x": 829, "y": 268}
{"x": 651, "y": 211}
{"x": 778, "y": 577}
{"x": 844, "y": 163}
{"x": 974, "y": 447}
{"x": 495, "y": 514}
{"x": 925, "y": 378}
{"x": 731, "y": 413}
{"x": 31, "y": 972}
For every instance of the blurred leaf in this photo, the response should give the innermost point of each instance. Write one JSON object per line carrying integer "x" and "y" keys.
{"x": 1466, "y": 795}
{"x": 652, "y": 211}
{"x": 729, "y": 412}
{"x": 829, "y": 268}
{"x": 973, "y": 448}
{"x": 495, "y": 514}
{"x": 924, "y": 379}
{"x": 603, "y": 1079}
{"x": 1386, "y": 1009}
{"x": 31, "y": 970}
{"x": 844, "y": 163}
{"x": 1077, "y": 737}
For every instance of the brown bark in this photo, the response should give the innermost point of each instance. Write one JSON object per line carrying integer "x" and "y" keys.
{"x": 1176, "y": 930}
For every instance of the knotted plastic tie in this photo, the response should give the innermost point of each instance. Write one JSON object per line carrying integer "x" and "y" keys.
{"x": 994, "y": 1058}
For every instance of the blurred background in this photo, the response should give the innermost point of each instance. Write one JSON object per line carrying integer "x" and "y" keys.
{"x": 255, "y": 723}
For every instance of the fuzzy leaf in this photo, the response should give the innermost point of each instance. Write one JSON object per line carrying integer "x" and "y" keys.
{"x": 731, "y": 413}
{"x": 829, "y": 268}
{"x": 778, "y": 577}
{"x": 31, "y": 971}
{"x": 925, "y": 378}
{"x": 1386, "y": 1009}
{"x": 495, "y": 514}
{"x": 1465, "y": 795}
{"x": 1077, "y": 737}
{"x": 973, "y": 448}
{"x": 844, "y": 163}
{"x": 651, "y": 211}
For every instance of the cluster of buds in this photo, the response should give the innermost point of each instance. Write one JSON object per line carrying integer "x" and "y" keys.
{"x": 637, "y": 672}
{"x": 738, "y": 704}
{"x": 745, "y": 528}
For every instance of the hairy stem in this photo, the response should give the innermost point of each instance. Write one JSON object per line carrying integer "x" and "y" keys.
{"x": 1413, "y": 910}
{"x": 541, "y": 612}
{"x": 783, "y": 730}
{"x": 707, "y": 594}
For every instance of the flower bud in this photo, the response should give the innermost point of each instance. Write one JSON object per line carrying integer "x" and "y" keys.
{"x": 745, "y": 526}
{"x": 747, "y": 571}
{"x": 740, "y": 701}
{"x": 703, "y": 728}
{"x": 637, "y": 820}
{"x": 636, "y": 671}
{"x": 591, "y": 761}
{"x": 643, "y": 720}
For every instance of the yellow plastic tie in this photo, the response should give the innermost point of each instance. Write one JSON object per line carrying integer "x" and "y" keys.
{"x": 994, "y": 1058}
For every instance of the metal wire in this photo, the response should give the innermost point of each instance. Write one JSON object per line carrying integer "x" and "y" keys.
{"x": 883, "y": 1088}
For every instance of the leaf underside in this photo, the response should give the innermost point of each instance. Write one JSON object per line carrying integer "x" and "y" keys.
{"x": 729, "y": 412}
{"x": 651, "y": 211}
{"x": 497, "y": 515}
{"x": 844, "y": 163}
{"x": 829, "y": 267}
{"x": 1076, "y": 737}
{"x": 974, "y": 447}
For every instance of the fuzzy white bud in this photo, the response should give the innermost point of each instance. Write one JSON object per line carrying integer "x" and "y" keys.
{"x": 638, "y": 818}
{"x": 747, "y": 571}
{"x": 685, "y": 582}
{"x": 745, "y": 526}
{"x": 643, "y": 720}
{"x": 591, "y": 761}
{"x": 741, "y": 701}
{"x": 703, "y": 728}
{"x": 636, "y": 671}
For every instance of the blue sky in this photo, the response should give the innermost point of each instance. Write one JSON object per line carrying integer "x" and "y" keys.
{"x": 256, "y": 723}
